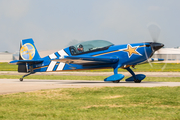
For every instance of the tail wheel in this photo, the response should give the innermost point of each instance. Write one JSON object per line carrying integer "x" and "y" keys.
{"x": 21, "y": 79}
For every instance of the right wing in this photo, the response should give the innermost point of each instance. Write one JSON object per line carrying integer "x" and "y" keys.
{"x": 82, "y": 60}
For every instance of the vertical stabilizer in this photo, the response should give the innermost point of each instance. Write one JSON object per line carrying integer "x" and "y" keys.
{"x": 28, "y": 50}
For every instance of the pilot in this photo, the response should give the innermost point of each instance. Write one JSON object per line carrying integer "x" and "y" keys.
{"x": 80, "y": 48}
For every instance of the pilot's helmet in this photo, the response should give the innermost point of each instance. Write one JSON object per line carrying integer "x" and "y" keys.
{"x": 80, "y": 46}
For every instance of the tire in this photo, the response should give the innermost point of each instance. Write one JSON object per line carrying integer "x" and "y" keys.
{"x": 21, "y": 79}
{"x": 117, "y": 81}
{"x": 137, "y": 81}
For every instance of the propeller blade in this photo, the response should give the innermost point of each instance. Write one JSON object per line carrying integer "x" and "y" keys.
{"x": 154, "y": 31}
{"x": 147, "y": 58}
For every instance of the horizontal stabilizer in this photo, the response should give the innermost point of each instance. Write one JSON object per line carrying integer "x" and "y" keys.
{"x": 156, "y": 59}
{"x": 152, "y": 60}
{"x": 87, "y": 59}
{"x": 18, "y": 62}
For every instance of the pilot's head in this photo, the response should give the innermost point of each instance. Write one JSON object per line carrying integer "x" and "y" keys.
{"x": 80, "y": 47}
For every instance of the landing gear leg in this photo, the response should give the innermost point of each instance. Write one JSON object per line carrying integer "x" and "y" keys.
{"x": 21, "y": 79}
{"x": 116, "y": 72}
{"x": 133, "y": 75}
{"x": 31, "y": 72}
{"x": 116, "y": 77}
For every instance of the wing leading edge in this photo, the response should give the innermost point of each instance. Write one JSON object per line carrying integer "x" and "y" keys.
{"x": 18, "y": 62}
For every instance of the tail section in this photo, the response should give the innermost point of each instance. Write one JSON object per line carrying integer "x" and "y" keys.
{"x": 28, "y": 53}
{"x": 28, "y": 50}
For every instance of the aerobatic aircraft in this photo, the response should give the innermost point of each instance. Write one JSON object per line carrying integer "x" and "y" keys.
{"x": 94, "y": 54}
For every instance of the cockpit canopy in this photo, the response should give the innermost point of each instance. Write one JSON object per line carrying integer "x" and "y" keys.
{"x": 89, "y": 46}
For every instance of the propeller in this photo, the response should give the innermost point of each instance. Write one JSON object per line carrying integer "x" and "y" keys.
{"x": 154, "y": 31}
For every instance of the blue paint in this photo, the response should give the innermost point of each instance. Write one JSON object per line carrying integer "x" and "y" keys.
{"x": 57, "y": 54}
{"x": 114, "y": 77}
{"x": 138, "y": 77}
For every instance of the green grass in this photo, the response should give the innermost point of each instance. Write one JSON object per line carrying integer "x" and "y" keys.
{"x": 4, "y": 66}
{"x": 70, "y": 77}
{"x": 157, "y": 67}
{"x": 107, "y": 103}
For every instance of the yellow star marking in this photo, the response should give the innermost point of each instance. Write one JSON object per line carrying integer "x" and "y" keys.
{"x": 131, "y": 50}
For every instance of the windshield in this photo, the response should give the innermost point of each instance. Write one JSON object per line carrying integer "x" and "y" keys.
{"x": 89, "y": 46}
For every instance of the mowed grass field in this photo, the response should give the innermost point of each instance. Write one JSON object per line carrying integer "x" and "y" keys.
{"x": 103, "y": 103}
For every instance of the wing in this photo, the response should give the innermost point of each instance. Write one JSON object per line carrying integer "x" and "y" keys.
{"x": 88, "y": 60}
{"x": 18, "y": 62}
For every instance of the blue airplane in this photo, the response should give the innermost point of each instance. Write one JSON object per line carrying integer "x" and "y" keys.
{"x": 94, "y": 54}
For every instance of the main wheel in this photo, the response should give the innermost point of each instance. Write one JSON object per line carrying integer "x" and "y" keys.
{"x": 21, "y": 79}
{"x": 137, "y": 81}
{"x": 117, "y": 81}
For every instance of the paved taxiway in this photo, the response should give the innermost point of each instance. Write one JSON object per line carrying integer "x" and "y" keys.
{"x": 14, "y": 85}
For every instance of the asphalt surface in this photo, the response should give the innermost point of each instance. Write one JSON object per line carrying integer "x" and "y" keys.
{"x": 15, "y": 86}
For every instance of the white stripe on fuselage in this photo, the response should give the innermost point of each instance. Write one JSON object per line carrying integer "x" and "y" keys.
{"x": 51, "y": 66}
{"x": 60, "y": 66}
{"x": 52, "y": 56}
{"x": 62, "y": 53}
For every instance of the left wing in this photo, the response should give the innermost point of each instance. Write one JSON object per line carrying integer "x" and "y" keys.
{"x": 87, "y": 60}
{"x": 18, "y": 62}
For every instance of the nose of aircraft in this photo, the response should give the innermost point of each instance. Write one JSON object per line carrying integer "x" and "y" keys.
{"x": 156, "y": 46}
